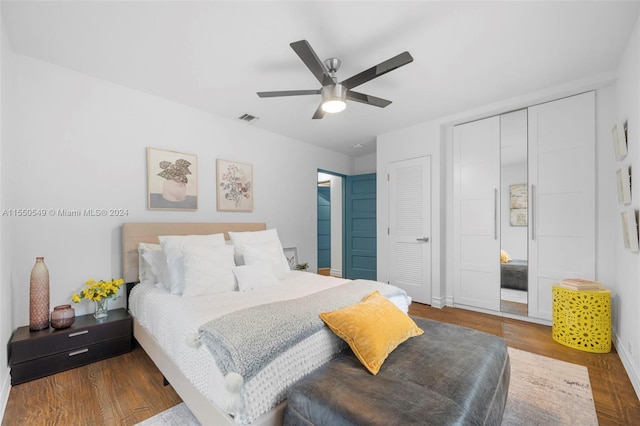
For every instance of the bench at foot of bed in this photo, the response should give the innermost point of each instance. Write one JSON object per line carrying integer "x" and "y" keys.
{"x": 448, "y": 375}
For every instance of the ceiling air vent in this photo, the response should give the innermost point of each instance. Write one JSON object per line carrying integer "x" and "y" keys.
{"x": 248, "y": 118}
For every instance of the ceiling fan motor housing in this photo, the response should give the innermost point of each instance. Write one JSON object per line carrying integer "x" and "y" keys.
{"x": 334, "y": 97}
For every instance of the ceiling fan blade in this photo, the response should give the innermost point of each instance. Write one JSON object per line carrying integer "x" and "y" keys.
{"x": 382, "y": 68}
{"x": 319, "y": 113}
{"x": 367, "y": 99}
{"x": 288, "y": 93}
{"x": 311, "y": 60}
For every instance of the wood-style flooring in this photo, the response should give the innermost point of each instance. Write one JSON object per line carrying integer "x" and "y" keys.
{"x": 127, "y": 389}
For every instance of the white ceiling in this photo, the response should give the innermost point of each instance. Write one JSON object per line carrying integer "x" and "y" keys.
{"x": 216, "y": 55}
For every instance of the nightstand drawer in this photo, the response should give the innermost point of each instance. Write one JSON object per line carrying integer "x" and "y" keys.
{"x": 41, "y": 367}
{"x": 30, "y": 345}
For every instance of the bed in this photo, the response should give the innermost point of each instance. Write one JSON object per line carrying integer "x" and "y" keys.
{"x": 168, "y": 327}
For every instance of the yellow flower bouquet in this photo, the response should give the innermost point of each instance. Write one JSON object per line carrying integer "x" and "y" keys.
{"x": 99, "y": 292}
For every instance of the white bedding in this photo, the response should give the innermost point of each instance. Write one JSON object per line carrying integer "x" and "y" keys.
{"x": 174, "y": 320}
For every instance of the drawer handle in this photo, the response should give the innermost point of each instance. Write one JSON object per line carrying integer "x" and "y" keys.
{"x": 81, "y": 351}
{"x": 78, "y": 333}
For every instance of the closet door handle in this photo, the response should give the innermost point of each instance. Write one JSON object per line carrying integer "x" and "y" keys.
{"x": 495, "y": 213}
{"x": 533, "y": 212}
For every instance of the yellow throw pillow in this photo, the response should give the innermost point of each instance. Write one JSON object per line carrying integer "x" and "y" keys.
{"x": 504, "y": 257}
{"x": 373, "y": 328}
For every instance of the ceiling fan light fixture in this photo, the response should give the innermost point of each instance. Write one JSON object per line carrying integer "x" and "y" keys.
{"x": 334, "y": 98}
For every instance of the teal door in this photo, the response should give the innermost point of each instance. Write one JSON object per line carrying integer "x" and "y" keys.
{"x": 324, "y": 227}
{"x": 360, "y": 227}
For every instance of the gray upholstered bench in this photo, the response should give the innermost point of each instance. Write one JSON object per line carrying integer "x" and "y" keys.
{"x": 450, "y": 375}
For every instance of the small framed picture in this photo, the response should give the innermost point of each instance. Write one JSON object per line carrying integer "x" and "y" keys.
{"x": 291, "y": 253}
{"x": 630, "y": 229}
{"x": 623, "y": 177}
{"x": 619, "y": 142}
{"x": 172, "y": 182}
{"x": 234, "y": 186}
{"x": 518, "y": 204}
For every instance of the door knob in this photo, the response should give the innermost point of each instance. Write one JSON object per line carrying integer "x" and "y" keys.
{"x": 423, "y": 239}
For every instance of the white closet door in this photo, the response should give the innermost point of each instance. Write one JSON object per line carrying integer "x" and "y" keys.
{"x": 476, "y": 180}
{"x": 410, "y": 227}
{"x": 561, "y": 196}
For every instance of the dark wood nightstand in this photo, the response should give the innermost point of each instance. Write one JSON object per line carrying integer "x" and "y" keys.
{"x": 36, "y": 354}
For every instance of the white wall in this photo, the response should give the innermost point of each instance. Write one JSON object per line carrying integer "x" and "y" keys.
{"x": 78, "y": 142}
{"x": 627, "y": 265}
{"x": 6, "y": 326}
{"x": 364, "y": 164}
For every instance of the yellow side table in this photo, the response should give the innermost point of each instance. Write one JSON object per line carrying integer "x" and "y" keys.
{"x": 582, "y": 319}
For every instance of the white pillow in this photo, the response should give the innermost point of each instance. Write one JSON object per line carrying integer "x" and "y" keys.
{"x": 208, "y": 270}
{"x": 269, "y": 253}
{"x": 145, "y": 272}
{"x": 241, "y": 239}
{"x": 158, "y": 262}
{"x": 172, "y": 247}
{"x": 254, "y": 277}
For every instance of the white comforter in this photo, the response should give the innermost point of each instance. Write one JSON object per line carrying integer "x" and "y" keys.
{"x": 174, "y": 320}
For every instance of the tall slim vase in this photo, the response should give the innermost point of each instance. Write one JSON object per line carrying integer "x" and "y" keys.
{"x": 39, "y": 296}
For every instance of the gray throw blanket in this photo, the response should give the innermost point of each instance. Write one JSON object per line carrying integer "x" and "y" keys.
{"x": 245, "y": 341}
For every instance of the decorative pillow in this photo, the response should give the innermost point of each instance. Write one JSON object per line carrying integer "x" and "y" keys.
{"x": 254, "y": 277}
{"x": 145, "y": 273}
{"x": 373, "y": 328}
{"x": 172, "y": 248}
{"x": 158, "y": 263}
{"x": 242, "y": 239}
{"x": 269, "y": 253}
{"x": 504, "y": 257}
{"x": 208, "y": 270}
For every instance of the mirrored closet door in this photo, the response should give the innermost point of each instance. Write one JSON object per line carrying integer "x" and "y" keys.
{"x": 513, "y": 216}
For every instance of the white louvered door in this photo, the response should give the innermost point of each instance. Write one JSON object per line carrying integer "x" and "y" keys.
{"x": 410, "y": 227}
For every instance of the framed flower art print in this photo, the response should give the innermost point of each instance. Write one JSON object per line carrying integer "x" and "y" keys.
{"x": 234, "y": 186}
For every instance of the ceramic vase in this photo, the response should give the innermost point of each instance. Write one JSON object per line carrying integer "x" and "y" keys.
{"x": 174, "y": 191}
{"x": 39, "y": 296}
{"x": 62, "y": 316}
{"x": 101, "y": 308}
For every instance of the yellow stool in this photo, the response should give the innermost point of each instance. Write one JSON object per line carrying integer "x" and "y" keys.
{"x": 582, "y": 319}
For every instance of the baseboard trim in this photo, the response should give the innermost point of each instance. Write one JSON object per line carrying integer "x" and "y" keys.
{"x": 627, "y": 362}
{"x": 336, "y": 272}
{"x": 438, "y": 302}
{"x": 4, "y": 394}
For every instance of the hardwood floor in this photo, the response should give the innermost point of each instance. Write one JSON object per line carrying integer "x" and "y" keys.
{"x": 123, "y": 390}
{"x": 128, "y": 389}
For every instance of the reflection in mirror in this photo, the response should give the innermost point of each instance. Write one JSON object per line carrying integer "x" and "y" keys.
{"x": 513, "y": 213}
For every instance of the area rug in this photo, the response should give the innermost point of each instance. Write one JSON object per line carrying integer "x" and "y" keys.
{"x": 542, "y": 391}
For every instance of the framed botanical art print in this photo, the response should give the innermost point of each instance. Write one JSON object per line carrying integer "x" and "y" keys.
{"x": 291, "y": 253}
{"x": 629, "y": 221}
{"x": 619, "y": 141}
{"x": 623, "y": 178}
{"x": 234, "y": 186}
{"x": 172, "y": 182}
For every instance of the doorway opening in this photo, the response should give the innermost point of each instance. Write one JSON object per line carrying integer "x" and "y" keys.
{"x": 330, "y": 227}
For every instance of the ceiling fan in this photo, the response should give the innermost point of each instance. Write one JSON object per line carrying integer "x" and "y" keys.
{"x": 334, "y": 94}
